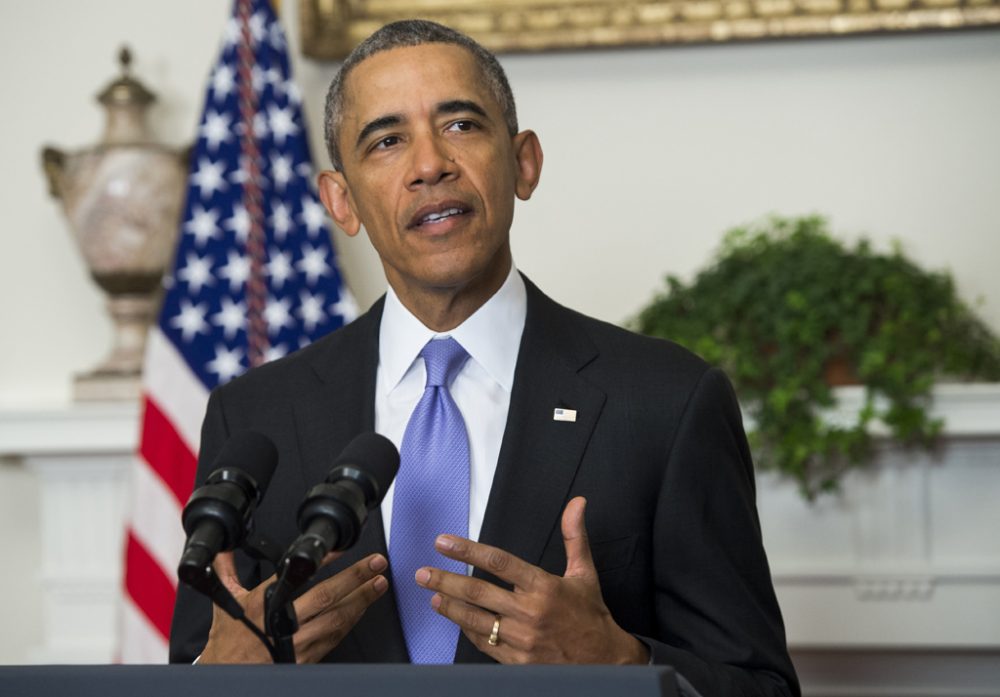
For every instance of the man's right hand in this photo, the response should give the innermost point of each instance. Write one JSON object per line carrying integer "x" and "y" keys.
{"x": 326, "y": 613}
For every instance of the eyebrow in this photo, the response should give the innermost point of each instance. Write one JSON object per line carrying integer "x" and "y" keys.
{"x": 387, "y": 121}
{"x": 452, "y": 106}
{"x": 457, "y": 106}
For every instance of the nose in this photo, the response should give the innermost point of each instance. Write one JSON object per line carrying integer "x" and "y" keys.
{"x": 431, "y": 163}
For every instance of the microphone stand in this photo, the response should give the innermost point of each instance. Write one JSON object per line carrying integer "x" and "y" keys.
{"x": 280, "y": 620}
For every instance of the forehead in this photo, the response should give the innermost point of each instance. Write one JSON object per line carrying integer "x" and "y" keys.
{"x": 411, "y": 78}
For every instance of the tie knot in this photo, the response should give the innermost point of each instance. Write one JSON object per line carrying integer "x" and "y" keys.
{"x": 443, "y": 359}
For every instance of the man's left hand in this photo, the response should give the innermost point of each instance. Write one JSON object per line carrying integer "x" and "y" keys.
{"x": 546, "y": 618}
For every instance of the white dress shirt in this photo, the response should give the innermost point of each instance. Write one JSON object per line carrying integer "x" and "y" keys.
{"x": 491, "y": 336}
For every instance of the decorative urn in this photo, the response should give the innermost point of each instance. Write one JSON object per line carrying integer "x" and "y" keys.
{"x": 123, "y": 199}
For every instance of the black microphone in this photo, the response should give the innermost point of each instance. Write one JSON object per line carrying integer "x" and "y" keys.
{"x": 333, "y": 512}
{"x": 218, "y": 516}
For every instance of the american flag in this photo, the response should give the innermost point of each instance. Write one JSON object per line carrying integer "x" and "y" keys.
{"x": 254, "y": 278}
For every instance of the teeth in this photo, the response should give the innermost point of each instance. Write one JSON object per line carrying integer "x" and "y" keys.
{"x": 434, "y": 217}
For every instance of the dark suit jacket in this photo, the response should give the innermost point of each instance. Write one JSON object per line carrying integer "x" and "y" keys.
{"x": 657, "y": 448}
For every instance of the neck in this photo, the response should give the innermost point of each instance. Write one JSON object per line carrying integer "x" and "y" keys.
{"x": 443, "y": 309}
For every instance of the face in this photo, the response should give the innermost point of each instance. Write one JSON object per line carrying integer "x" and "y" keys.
{"x": 430, "y": 170}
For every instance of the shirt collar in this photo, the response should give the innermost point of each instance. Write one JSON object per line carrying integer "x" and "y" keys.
{"x": 491, "y": 335}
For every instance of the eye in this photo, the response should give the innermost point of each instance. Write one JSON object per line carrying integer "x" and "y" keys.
{"x": 384, "y": 143}
{"x": 463, "y": 125}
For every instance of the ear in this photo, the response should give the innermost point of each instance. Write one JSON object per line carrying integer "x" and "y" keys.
{"x": 528, "y": 158}
{"x": 336, "y": 197}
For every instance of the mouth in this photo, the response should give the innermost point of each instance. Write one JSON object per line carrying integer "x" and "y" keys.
{"x": 437, "y": 215}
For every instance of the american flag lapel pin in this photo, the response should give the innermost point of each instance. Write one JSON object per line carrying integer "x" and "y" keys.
{"x": 561, "y": 414}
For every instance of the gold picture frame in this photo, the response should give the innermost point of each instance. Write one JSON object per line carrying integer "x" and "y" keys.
{"x": 331, "y": 28}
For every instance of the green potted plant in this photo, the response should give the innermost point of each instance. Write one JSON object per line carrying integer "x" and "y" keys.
{"x": 790, "y": 312}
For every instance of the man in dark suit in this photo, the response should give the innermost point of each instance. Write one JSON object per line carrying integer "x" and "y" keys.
{"x": 611, "y": 486}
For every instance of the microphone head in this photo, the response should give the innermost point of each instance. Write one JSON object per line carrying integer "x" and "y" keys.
{"x": 251, "y": 452}
{"x": 375, "y": 456}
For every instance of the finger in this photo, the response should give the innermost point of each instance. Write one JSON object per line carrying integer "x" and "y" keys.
{"x": 328, "y": 593}
{"x": 477, "y": 626}
{"x": 315, "y": 638}
{"x": 474, "y": 621}
{"x": 501, "y": 564}
{"x": 579, "y": 562}
{"x": 330, "y": 556}
{"x": 471, "y": 590}
{"x": 502, "y": 653}
{"x": 225, "y": 569}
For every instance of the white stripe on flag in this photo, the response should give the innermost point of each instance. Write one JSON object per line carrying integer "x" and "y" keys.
{"x": 178, "y": 393}
{"x": 144, "y": 644}
{"x": 156, "y": 519}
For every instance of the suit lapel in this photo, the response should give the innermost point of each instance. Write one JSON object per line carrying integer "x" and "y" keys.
{"x": 539, "y": 456}
{"x": 327, "y": 419}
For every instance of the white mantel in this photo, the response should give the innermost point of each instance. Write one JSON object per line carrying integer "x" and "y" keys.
{"x": 76, "y": 429}
{"x": 900, "y": 571}
{"x": 81, "y": 455}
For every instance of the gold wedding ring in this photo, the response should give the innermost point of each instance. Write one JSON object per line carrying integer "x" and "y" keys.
{"x": 494, "y": 639}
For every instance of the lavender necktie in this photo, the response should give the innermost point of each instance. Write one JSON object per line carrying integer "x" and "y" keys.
{"x": 431, "y": 497}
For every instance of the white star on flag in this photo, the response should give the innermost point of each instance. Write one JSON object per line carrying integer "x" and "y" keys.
{"x": 231, "y": 33}
{"x": 280, "y": 267}
{"x": 281, "y": 170}
{"x": 202, "y": 225}
{"x": 228, "y": 363}
{"x": 210, "y": 177}
{"x": 191, "y": 320}
{"x": 258, "y": 26}
{"x": 277, "y": 38}
{"x": 277, "y": 81}
{"x": 223, "y": 82}
{"x": 239, "y": 223}
{"x": 281, "y": 221}
{"x": 313, "y": 215}
{"x": 215, "y": 130}
{"x": 232, "y": 317}
{"x": 282, "y": 124}
{"x": 197, "y": 273}
{"x": 313, "y": 263}
{"x": 277, "y": 351}
{"x": 278, "y": 314}
{"x": 347, "y": 306}
{"x": 258, "y": 79}
{"x": 311, "y": 308}
{"x": 236, "y": 270}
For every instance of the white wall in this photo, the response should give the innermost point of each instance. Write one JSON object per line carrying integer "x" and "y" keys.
{"x": 650, "y": 155}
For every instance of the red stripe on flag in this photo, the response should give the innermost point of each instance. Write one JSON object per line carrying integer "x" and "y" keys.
{"x": 166, "y": 452}
{"x": 148, "y": 586}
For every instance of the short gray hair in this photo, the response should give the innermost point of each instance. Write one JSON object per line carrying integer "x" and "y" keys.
{"x": 413, "y": 32}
